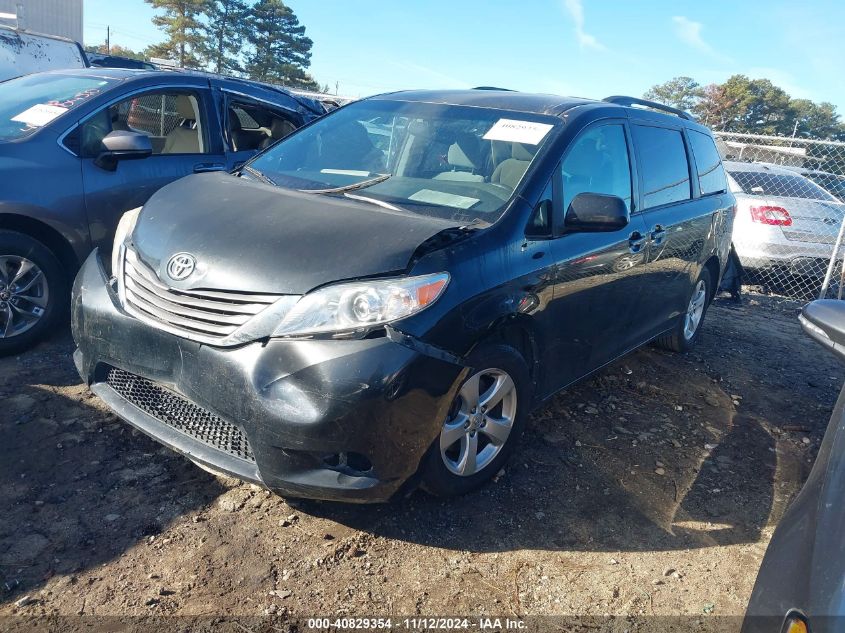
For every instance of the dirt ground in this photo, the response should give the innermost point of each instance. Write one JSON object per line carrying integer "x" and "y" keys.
{"x": 651, "y": 489}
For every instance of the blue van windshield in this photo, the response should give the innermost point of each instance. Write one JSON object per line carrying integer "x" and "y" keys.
{"x": 29, "y": 103}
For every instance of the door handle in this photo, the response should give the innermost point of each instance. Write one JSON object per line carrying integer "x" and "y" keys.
{"x": 658, "y": 234}
{"x": 201, "y": 168}
{"x": 636, "y": 241}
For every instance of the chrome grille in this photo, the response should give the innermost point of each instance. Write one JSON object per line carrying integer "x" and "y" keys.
{"x": 212, "y": 313}
{"x": 179, "y": 413}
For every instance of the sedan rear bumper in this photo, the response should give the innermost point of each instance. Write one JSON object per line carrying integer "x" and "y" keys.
{"x": 330, "y": 419}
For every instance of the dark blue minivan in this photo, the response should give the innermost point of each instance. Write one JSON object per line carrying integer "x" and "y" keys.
{"x": 78, "y": 148}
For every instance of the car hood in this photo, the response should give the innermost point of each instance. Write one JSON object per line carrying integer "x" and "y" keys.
{"x": 251, "y": 237}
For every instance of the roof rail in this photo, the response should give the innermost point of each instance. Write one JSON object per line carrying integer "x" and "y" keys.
{"x": 630, "y": 101}
{"x": 493, "y": 88}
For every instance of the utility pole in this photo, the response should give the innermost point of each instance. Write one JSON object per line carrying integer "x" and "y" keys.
{"x": 108, "y": 40}
{"x": 336, "y": 87}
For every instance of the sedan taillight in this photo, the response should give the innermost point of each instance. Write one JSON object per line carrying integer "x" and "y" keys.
{"x": 774, "y": 216}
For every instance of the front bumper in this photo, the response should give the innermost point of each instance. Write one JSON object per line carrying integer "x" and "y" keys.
{"x": 328, "y": 419}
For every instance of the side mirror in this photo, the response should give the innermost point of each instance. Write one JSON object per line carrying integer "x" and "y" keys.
{"x": 595, "y": 213}
{"x": 123, "y": 145}
{"x": 824, "y": 320}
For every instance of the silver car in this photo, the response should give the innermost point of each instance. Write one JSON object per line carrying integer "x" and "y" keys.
{"x": 784, "y": 220}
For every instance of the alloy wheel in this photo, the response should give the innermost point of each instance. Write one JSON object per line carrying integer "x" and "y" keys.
{"x": 24, "y": 293}
{"x": 479, "y": 423}
{"x": 695, "y": 310}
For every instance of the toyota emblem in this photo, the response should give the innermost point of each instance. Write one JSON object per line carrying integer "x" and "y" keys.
{"x": 180, "y": 266}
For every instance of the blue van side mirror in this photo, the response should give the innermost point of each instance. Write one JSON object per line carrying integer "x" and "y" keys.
{"x": 123, "y": 145}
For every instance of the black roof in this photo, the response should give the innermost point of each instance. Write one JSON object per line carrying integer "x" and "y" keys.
{"x": 487, "y": 98}
{"x": 555, "y": 105}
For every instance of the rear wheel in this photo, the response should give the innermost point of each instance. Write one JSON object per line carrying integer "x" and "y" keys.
{"x": 687, "y": 331}
{"x": 483, "y": 424}
{"x": 33, "y": 291}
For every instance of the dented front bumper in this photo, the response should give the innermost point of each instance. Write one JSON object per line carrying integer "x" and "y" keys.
{"x": 329, "y": 419}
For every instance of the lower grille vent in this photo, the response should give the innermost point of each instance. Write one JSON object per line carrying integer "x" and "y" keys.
{"x": 179, "y": 413}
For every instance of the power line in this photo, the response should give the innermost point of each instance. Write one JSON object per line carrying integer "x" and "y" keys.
{"x": 122, "y": 32}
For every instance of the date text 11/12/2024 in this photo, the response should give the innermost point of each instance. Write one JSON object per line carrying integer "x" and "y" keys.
{"x": 416, "y": 624}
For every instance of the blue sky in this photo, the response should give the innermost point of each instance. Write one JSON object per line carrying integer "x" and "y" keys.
{"x": 590, "y": 48}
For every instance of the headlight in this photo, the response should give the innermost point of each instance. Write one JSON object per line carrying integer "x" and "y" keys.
{"x": 124, "y": 228}
{"x": 361, "y": 305}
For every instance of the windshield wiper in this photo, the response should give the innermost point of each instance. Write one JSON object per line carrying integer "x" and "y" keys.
{"x": 378, "y": 203}
{"x": 358, "y": 185}
{"x": 252, "y": 171}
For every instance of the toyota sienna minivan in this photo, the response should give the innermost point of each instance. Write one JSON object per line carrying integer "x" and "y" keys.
{"x": 379, "y": 300}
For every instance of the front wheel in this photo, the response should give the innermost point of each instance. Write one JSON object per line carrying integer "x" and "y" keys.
{"x": 688, "y": 330}
{"x": 483, "y": 424}
{"x": 33, "y": 291}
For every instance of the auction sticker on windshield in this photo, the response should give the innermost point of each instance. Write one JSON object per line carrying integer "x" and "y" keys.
{"x": 515, "y": 131}
{"x": 442, "y": 198}
{"x": 39, "y": 115}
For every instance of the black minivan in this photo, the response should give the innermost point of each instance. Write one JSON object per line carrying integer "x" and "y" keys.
{"x": 379, "y": 300}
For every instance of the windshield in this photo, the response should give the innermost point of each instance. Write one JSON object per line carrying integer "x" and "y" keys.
{"x": 455, "y": 162}
{"x": 31, "y": 102}
{"x": 778, "y": 185}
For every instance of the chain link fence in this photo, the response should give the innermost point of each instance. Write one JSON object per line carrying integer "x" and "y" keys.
{"x": 790, "y": 222}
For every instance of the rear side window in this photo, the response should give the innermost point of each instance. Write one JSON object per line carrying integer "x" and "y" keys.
{"x": 765, "y": 184}
{"x": 663, "y": 163}
{"x": 711, "y": 176}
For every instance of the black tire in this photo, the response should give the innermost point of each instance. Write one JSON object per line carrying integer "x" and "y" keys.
{"x": 17, "y": 244}
{"x": 437, "y": 478}
{"x": 677, "y": 340}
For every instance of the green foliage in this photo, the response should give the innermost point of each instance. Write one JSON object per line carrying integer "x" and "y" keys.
{"x": 181, "y": 23}
{"x": 262, "y": 40}
{"x": 281, "y": 50}
{"x": 224, "y": 31}
{"x": 680, "y": 92}
{"x": 754, "y": 106}
{"x": 817, "y": 120}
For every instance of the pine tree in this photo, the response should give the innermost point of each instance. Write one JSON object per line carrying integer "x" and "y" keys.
{"x": 282, "y": 51}
{"x": 181, "y": 23}
{"x": 224, "y": 33}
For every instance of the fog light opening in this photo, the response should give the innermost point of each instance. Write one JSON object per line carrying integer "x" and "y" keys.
{"x": 353, "y": 464}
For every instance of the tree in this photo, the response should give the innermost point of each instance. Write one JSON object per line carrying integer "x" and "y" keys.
{"x": 282, "y": 51}
{"x": 683, "y": 93}
{"x": 224, "y": 32}
{"x": 713, "y": 109}
{"x": 755, "y": 106}
{"x": 181, "y": 23}
{"x": 813, "y": 120}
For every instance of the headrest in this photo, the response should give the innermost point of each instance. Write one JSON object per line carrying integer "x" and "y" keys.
{"x": 458, "y": 158}
{"x": 419, "y": 127}
{"x": 519, "y": 152}
{"x": 280, "y": 128}
{"x": 185, "y": 108}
